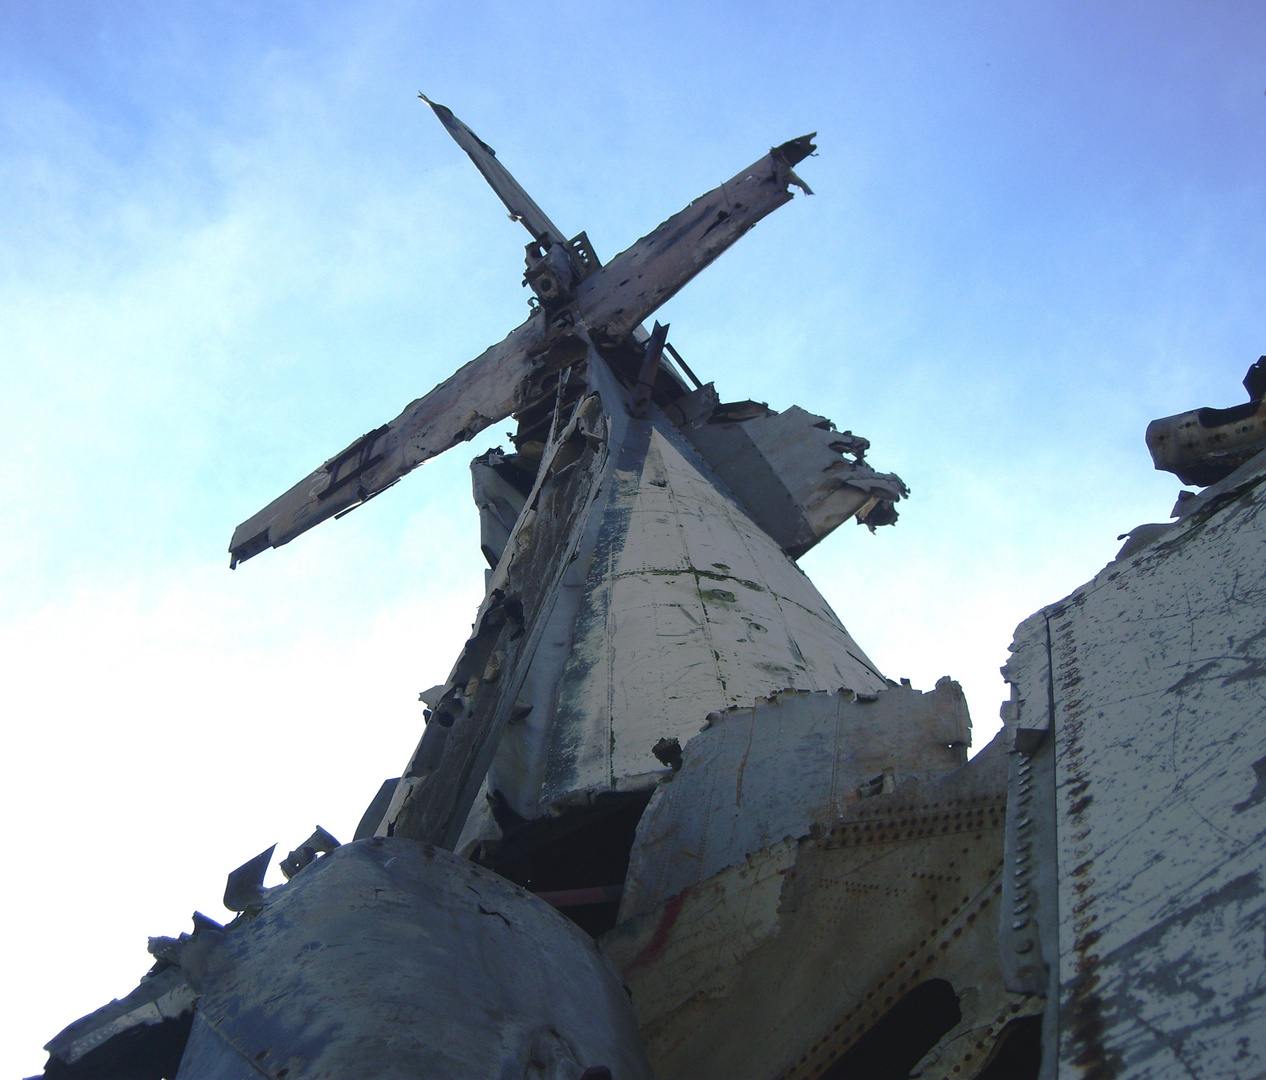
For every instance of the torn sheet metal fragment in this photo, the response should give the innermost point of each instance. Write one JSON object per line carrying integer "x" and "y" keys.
{"x": 797, "y": 476}
{"x": 440, "y": 785}
{"x": 759, "y": 775}
{"x": 141, "y": 1034}
{"x": 499, "y": 491}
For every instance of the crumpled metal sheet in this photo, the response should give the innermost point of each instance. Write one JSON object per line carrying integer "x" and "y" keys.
{"x": 391, "y": 958}
{"x": 1149, "y": 682}
{"x": 775, "y": 966}
{"x": 759, "y": 775}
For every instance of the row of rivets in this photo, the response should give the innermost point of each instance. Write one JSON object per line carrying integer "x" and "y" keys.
{"x": 1023, "y": 856}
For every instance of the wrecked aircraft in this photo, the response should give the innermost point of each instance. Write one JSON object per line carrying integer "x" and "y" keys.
{"x": 667, "y": 819}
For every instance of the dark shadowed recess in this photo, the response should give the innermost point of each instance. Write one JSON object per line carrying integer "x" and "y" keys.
{"x": 583, "y": 848}
{"x": 1018, "y": 1052}
{"x": 916, "y": 1023}
{"x": 905, "y": 1033}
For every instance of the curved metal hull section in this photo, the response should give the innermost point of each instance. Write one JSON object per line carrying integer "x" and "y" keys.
{"x": 393, "y": 959}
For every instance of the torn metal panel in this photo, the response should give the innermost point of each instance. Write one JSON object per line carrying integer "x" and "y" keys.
{"x": 1154, "y": 672}
{"x": 499, "y": 496}
{"x": 392, "y": 958}
{"x": 797, "y": 476}
{"x": 820, "y": 936}
{"x": 761, "y": 774}
{"x": 141, "y": 1034}
{"x": 440, "y": 785}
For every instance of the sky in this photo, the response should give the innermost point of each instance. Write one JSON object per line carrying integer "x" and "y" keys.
{"x": 232, "y": 240}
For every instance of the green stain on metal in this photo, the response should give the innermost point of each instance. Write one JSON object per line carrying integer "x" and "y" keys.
{"x": 721, "y": 596}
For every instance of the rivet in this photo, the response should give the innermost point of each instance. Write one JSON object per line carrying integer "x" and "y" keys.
{"x": 1019, "y": 924}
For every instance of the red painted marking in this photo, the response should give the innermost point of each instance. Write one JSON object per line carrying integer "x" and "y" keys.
{"x": 598, "y": 894}
{"x": 659, "y": 939}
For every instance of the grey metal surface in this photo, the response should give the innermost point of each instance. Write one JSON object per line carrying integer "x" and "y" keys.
{"x": 520, "y": 204}
{"x": 687, "y": 607}
{"x": 392, "y": 959}
{"x": 1153, "y": 679}
{"x": 797, "y": 476}
{"x": 769, "y": 772}
{"x": 1205, "y": 445}
{"x": 780, "y": 964}
{"x": 647, "y": 598}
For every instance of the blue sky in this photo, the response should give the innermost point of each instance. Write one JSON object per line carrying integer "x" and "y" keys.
{"x": 232, "y": 240}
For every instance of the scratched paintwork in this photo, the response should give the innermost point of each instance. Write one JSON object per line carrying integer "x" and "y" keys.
{"x": 1159, "y": 819}
{"x": 797, "y": 476}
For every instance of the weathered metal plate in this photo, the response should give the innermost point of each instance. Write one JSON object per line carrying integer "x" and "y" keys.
{"x": 1155, "y": 673}
{"x": 392, "y": 959}
{"x": 631, "y": 286}
{"x": 688, "y": 607}
{"x": 776, "y": 966}
{"x": 760, "y": 775}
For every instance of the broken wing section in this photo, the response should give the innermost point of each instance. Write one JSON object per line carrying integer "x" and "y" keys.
{"x": 488, "y": 389}
{"x": 520, "y": 204}
{"x": 796, "y": 476}
{"x": 626, "y": 291}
